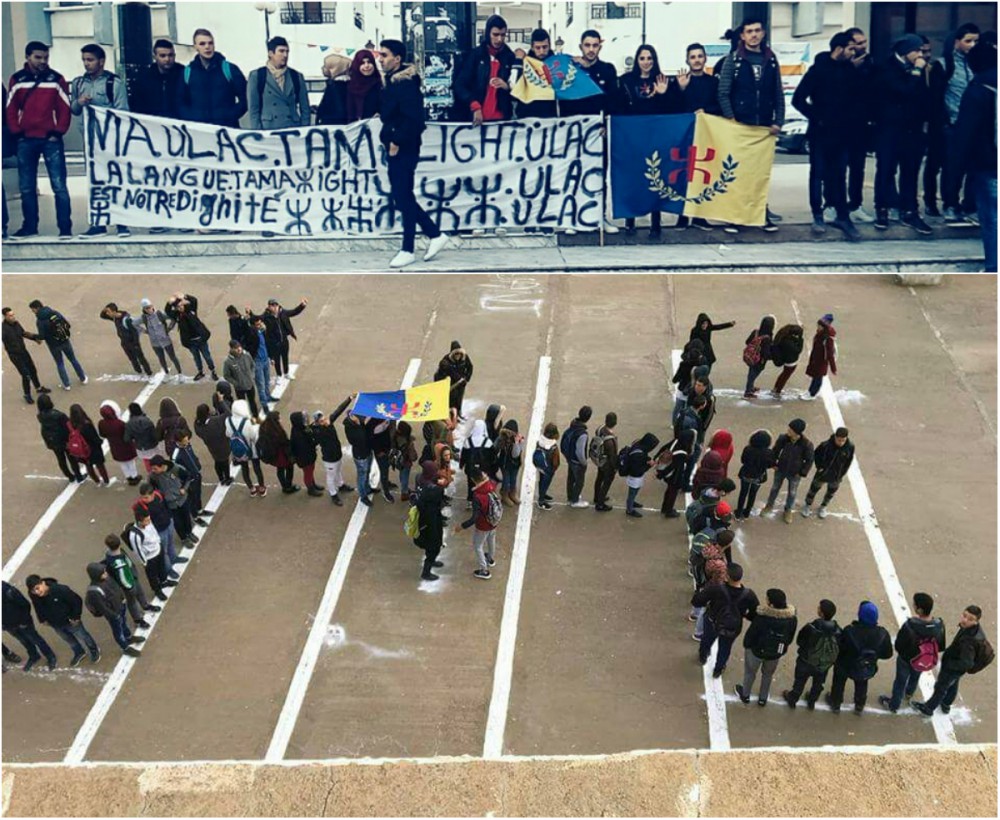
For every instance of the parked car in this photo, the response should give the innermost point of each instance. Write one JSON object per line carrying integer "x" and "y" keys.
{"x": 794, "y": 137}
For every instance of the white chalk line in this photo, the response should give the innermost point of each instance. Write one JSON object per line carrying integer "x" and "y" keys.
{"x": 496, "y": 721}
{"x": 49, "y": 516}
{"x": 318, "y": 631}
{"x": 715, "y": 704}
{"x": 116, "y": 681}
{"x": 963, "y": 714}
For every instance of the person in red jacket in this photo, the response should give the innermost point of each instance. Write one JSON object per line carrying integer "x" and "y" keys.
{"x": 112, "y": 428}
{"x": 484, "y": 535}
{"x": 38, "y": 114}
{"x": 823, "y": 357}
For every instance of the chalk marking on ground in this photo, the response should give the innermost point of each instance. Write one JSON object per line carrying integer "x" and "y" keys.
{"x": 496, "y": 721}
{"x": 116, "y": 681}
{"x": 49, "y": 516}
{"x": 509, "y": 299}
{"x": 962, "y": 715}
{"x": 430, "y": 328}
{"x": 336, "y": 638}
{"x": 959, "y": 373}
{"x": 321, "y": 623}
{"x": 718, "y": 726}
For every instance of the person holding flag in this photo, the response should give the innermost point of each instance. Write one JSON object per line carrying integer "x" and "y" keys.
{"x": 535, "y": 106}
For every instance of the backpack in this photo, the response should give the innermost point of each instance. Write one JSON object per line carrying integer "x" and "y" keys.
{"x": 567, "y": 444}
{"x": 751, "y": 353}
{"x": 729, "y": 620}
{"x": 623, "y": 461}
{"x": 596, "y": 450}
{"x": 494, "y": 509}
{"x": 822, "y": 654}
{"x": 262, "y": 81}
{"x": 984, "y": 656}
{"x": 396, "y": 459}
{"x": 411, "y": 526}
{"x": 772, "y": 643}
{"x": 239, "y": 447}
{"x": 59, "y": 326}
{"x": 227, "y": 72}
{"x": 77, "y": 445}
{"x": 109, "y": 87}
{"x": 693, "y": 513}
{"x": 539, "y": 460}
{"x": 866, "y": 663}
{"x": 926, "y": 658}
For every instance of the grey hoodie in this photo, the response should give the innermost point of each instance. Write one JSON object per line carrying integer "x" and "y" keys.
{"x": 239, "y": 371}
{"x": 170, "y": 484}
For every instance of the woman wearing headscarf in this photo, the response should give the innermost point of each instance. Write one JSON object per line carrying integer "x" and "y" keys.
{"x": 710, "y": 472}
{"x": 430, "y": 500}
{"x": 722, "y": 443}
{"x": 364, "y": 87}
{"x": 823, "y": 357}
{"x": 639, "y": 462}
{"x": 672, "y": 461}
{"x": 332, "y": 109}
{"x": 80, "y": 422}
{"x": 112, "y": 428}
{"x": 757, "y": 353}
{"x": 171, "y": 421}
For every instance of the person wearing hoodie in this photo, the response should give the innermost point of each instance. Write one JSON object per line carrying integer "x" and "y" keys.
{"x": 430, "y": 504}
{"x": 919, "y": 642}
{"x": 239, "y": 370}
{"x": 357, "y": 437}
{"x": 671, "y": 467}
{"x": 275, "y": 448}
{"x": 604, "y": 454}
{"x": 494, "y": 424}
{"x": 112, "y": 429}
{"x": 169, "y": 424}
{"x": 54, "y": 330}
{"x": 17, "y": 351}
{"x": 786, "y": 348}
{"x": 458, "y": 367}
{"x": 692, "y": 356}
{"x": 332, "y": 108}
{"x": 573, "y": 446}
{"x": 754, "y": 464}
{"x": 862, "y": 644}
{"x": 709, "y": 474}
{"x": 58, "y": 606}
{"x": 482, "y": 85}
{"x": 791, "y": 457}
{"x": 104, "y": 599}
{"x": 303, "y": 444}
{"x": 210, "y": 427}
{"x": 401, "y": 111}
{"x": 546, "y": 461}
{"x": 708, "y": 563}
{"x": 823, "y": 356}
{"x": 157, "y": 325}
{"x": 379, "y": 433}
{"x": 183, "y": 309}
{"x": 638, "y": 462}
{"x": 172, "y": 482}
{"x": 477, "y": 454}
{"x": 128, "y": 335}
{"x": 403, "y": 455}
{"x": 508, "y": 448}
{"x": 485, "y": 532}
{"x": 968, "y": 654}
{"x": 94, "y": 461}
{"x": 765, "y": 643}
{"x": 150, "y": 503}
{"x": 727, "y": 605}
{"x": 833, "y": 458}
{"x": 722, "y": 443}
{"x": 703, "y": 330}
{"x": 223, "y": 398}
{"x": 18, "y": 622}
{"x": 140, "y": 431}
{"x": 756, "y": 353}
{"x": 55, "y": 434}
{"x": 121, "y": 568}
{"x": 185, "y": 457}
{"x": 818, "y": 646}
{"x": 212, "y": 89}
{"x": 331, "y": 453}
{"x": 700, "y": 513}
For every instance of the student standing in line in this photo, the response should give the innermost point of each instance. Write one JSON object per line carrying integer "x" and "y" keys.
{"x": 756, "y": 354}
{"x": 330, "y": 450}
{"x": 766, "y": 641}
{"x": 243, "y": 433}
{"x": 818, "y": 646}
{"x": 257, "y": 347}
{"x": 823, "y": 356}
{"x": 275, "y": 448}
{"x": 361, "y": 452}
{"x": 112, "y": 428}
{"x": 477, "y": 454}
{"x": 183, "y": 309}
{"x": 672, "y": 466}
{"x": 61, "y": 608}
{"x": 786, "y": 348}
{"x": 573, "y": 446}
{"x": 128, "y": 334}
{"x": 403, "y": 455}
{"x": 692, "y": 356}
{"x": 430, "y": 503}
{"x": 240, "y": 371}
{"x": 140, "y": 430}
{"x": 55, "y": 434}
{"x": 185, "y": 457}
{"x": 710, "y": 472}
{"x": 210, "y": 427}
{"x": 170, "y": 423}
{"x": 278, "y": 323}
{"x": 833, "y": 459}
{"x": 792, "y": 457}
{"x": 510, "y": 444}
{"x": 150, "y": 502}
{"x": 172, "y": 482}
{"x": 379, "y": 433}
{"x": 122, "y": 571}
{"x": 303, "y": 446}
{"x": 638, "y": 462}
{"x": 727, "y": 605}
{"x": 18, "y": 622}
{"x": 968, "y": 654}
{"x": 604, "y": 453}
{"x": 486, "y": 512}
{"x": 918, "y": 644}
{"x": 754, "y": 464}
{"x": 546, "y": 461}
{"x": 862, "y": 644}
{"x": 104, "y": 599}
{"x": 91, "y": 453}
{"x": 144, "y": 541}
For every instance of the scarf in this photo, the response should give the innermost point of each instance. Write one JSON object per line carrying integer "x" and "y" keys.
{"x": 359, "y": 85}
{"x": 278, "y": 74}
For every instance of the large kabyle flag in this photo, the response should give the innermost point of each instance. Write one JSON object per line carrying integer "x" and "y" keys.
{"x": 698, "y": 165}
{"x": 425, "y": 402}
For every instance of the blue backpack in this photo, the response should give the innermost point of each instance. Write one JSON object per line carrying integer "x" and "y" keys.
{"x": 239, "y": 447}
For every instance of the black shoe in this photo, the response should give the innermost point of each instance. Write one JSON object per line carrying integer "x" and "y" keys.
{"x": 682, "y": 223}
{"x": 882, "y": 219}
{"x": 13, "y": 657}
{"x": 428, "y": 576}
{"x": 633, "y": 514}
{"x": 482, "y": 574}
{"x": 743, "y": 696}
{"x": 43, "y": 389}
{"x": 490, "y": 562}
{"x": 547, "y": 497}
{"x": 913, "y": 220}
{"x": 336, "y": 500}
{"x": 886, "y": 703}
{"x": 388, "y": 497}
{"x": 367, "y": 500}
{"x": 24, "y": 233}
{"x": 671, "y": 514}
{"x": 810, "y": 705}
{"x": 199, "y": 376}
{"x": 136, "y": 639}
{"x": 829, "y": 703}
{"x": 718, "y": 672}
{"x": 154, "y": 608}
{"x": 922, "y": 708}
{"x": 78, "y": 659}
{"x": 160, "y": 596}
{"x": 761, "y": 702}
{"x": 51, "y": 663}
{"x": 544, "y": 505}
{"x": 931, "y": 210}
{"x": 170, "y": 582}
{"x": 215, "y": 376}
{"x": 289, "y": 490}
{"x": 770, "y": 227}
{"x": 858, "y": 708}
{"x": 29, "y": 664}
{"x": 345, "y": 488}
{"x": 945, "y": 709}
{"x": 201, "y": 522}
{"x": 142, "y": 624}
{"x": 789, "y": 699}
{"x": 315, "y": 491}
{"x": 655, "y": 233}
{"x": 28, "y": 399}
{"x": 818, "y": 226}
{"x": 132, "y": 652}
{"x": 96, "y": 657}
{"x": 850, "y": 232}
{"x": 603, "y": 508}
{"x": 438, "y": 564}
{"x": 702, "y": 224}
{"x": 205, "y": 513}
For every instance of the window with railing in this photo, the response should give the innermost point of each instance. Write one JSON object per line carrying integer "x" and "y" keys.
{"x": 359, "y": 20}
{"x": 615, "y": 11}
{"x": 308, "y": 13}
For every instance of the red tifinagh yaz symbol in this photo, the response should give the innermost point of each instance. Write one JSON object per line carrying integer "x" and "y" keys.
{"x": 690, "y": 164}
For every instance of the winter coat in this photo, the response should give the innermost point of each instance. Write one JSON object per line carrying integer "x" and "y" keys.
{"x": 156, "y": 93}
{"x": 606, "y": 78}
{"x": 240, "y": 417}
{"x": 59, "y": 607}
{"x": 722, "y": 443}
{"x": 274, "y": 107}
{"x": 766, "y": 332}
{"x": 189, "y": 463}
{"x": 158, "y": 326}
{"x": 494, "y": 421}
{"x": 916, "y": 630}
{"x": 863, "y": 636}
{"x": 430, "y": 500}
{"x": 13, "y": 342}
{"x": 207, "y": 96}
{"x": 823, "y": 356}
{"x": 277, "y": 329}
{"x": 756, "y": 458}
{"x": 771, "y": 632}
{"x": 610, "y": 448}
{"x": 638, "y": 96}
{"x": 125, "y": 327}
{"x": 792, "y": 457}
{"x": 189, "y": 325}
{"x": 639, "y": 455}
{"x": 811, "y": 633}
{"x": 303, "y": 442}
{"x": 957, "y": 77}
{"x": 546, "y": 457}
{"x": 157, "y": 510}
{"x": 172, "y": 484}
{"x": 509, "y": 449}
{"x": 480, "y": 506}
{"x": 212, "y": 431}
{"x": 974, "y": 150}
{"x": 357, "y": 437}
{"x": 709, "y": 473}
{"x": 171, "y": 422}
{"x": 705, "y": 336}
{"x": 904, "y": 98}
{"x": 239, "y": 371}
{"x": 727, "y": 607}
{"x": 105, "y": 598}
{"x": 746, "y": 99}
{"x": 960, "y": 656}
{"x": 43, "y": 320}
{"x": 672, "y": 459}
{"x": 380, "y": 435}
{"x": 449, "y": 367}
{"x": 121, "y": 569}
{"x": 55, "y": 432}
{"x": 827, "y": 90}
{"x": 786, "y": 347}
{"x": 471, "y": 85}
{"x": 94, "y": 441}
{"x": 701, "y": 94}
{"x": 833, "y": 462}
{"x": 692, "y": 356}
{"x": 140, "y": 431}
{"x": 16, "y": 608}
{"x": 326, "y": 435}
{"x": 402, "y": 109}
{"x": 38, "y": 105}
{"x": 332, "y": 108}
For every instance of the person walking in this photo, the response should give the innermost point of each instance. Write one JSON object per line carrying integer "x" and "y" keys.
{"x": 170, "y": 423}
{"x": 727, "y": 605}
{"x": 919, "y": 644}
{"x": 361, "y": 451}
{"x": 573, "y": 446}
{"x": 702, "y": 331}
{"x": 402, "y": 113}
{"x": 275, "y": 448}
{"x": 212, "y": 89}
{"x": 486, "y": 513}
{"x": 604, "y": 453}
{"x": 482, "y": 85}
{"x": 509, "y": 447}
{"x": 143, "y": 540}
{"x": 429, "y": 502}
{"x": 303, "y": 449}
{"x": 58, "y": 606}
{"x": 277, "y": 94}
{"x": 458, "y": 367}
{"x": 104, "y": 599}
{"x": 756, "y": 353}
{"x": 546, "y": 461}
{"x": 786, "y": 348}
{"x": 755, "y": 461}
{"x": 128, "y": 337}
{"x": 17, "y": 351}
{"x": 156, "y": 88}
{"x": 823, "y": 355}
{"x": 86, "y": 445}
{"x": 172, "y": 482}
{"x": 122, "y": 570}
{"x": 38, "y": 116}
{"x": 239, "y": 369}
{"x": 55, "y": 434}
{"x": 55, "y": 330}
{"x": 862, "y": 644}
{"x": 792, "y": 457}
{"x": 210, "y": 427}
{"x": 141, "y": 432}
{"x": 17, "y": 621}
{"x": 833, "y": 458}
{"x": 331, "y": 453}
{"x": 818, "y": 646}
{"x": 183, "y": 309}
{"x": 968, "y": 654}
{"x": 766, "y": 641}
{"x": 637, "y": 462}
{"x": 672, "y": 462}
{"x": 150, "y": 503}
{"x": 157, "y": 325}
{"x": 184, "y": 456}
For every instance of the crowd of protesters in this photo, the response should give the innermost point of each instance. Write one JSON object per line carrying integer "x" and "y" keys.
{"x": 158, "y": 458}
{"x": 905, "y": 106}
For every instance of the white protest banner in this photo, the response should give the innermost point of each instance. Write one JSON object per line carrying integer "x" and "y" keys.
{"x": 332, "y": 181}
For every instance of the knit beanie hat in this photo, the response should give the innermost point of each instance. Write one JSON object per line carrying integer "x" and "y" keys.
{"x": 868, "y": 613}
{"x": 145, "y": 303}
{"x": 798, "y": 425}
{"x": 723, "y": 509}
{"x": 907, "y": 44}
{"x": 827, "y": 319}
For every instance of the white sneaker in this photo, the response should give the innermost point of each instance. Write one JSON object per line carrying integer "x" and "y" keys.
{"x": 806, "y": 512}
{"x": 806, "y": 397}
{"x": 570, "y": 232}
{"x": 580, "y": 505}
{"x": 435, "y": 246}
{"x": 862, "y": 216}
{"x": 829, "y": 214}
{"x": 821, "y": 512}
{"x": 402, "y": 259}
{"x": 610, "y": 227}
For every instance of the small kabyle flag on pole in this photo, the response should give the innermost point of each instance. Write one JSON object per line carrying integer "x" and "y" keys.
{"x": 425, "y": 402}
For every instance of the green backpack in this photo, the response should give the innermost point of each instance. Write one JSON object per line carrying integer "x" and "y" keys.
{"x": 823, "y": 652}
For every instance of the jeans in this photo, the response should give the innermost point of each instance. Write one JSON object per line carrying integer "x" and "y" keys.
{"x": 382, "y": 460}
{"x": 137, "y": 359}
{"x": 119, "y": 628}
{"x": 73, "y": 634}
{"x": 630, "y": 498}
{"x": 748, "y": 495}
{"x": 793, "y": 488}
{"x": 281, "y": 360}
{"x": 29, "y": 149}
{"x": 167, "y": 542}
{"x": 508, "y": 479}
{"x": 708, "y": 637}
{"x": 831, "y": 490}
{"x": 803, "y": 672}
{"x": 906, "y": 682}
{"x": 544, "y": 480}
{"x": 60, "y": 349}
{"x": 402, "y": 174}
{"x": 753, "y": 371}
{"x": 945, "y": 690}
{"x": 364, "y": 466}
{"x": 33, "y": 643}
{"x": 262, "y": 378}
{"x": 602, "y": 484}
{"x": 815, "y": 385}
{"x": 484, "y": 544}
{"x": 162, "y": 353}
{"x": 404, "y": 479}
{"x": 576, "y": 475}
{"x": 200, "y": 349}
{"x": 985, "y": 187}
{"x": 897, "y": 151}
{"x": 751, "y": 663}
{"x": 840, "y": 678}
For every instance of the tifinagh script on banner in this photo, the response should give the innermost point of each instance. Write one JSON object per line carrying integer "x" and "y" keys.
{"x": 327, "y": 180}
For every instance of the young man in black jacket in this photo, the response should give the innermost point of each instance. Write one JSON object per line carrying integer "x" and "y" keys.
{"x": 819, "y": 645}
{"x": 727, "y": 605}
{"x": 862, "y": 645}
{"x": 541, "y": 49}
{"x": 482, "y": 86}
{"x": 183, "y": 309}
{"x": 128, "y": 337}
{"x": 331, "y": 454}
{"x": 156, "y": 87}
{"x": 402, "y": 115}
{"x": 278, "y": 330}
{"x": 792, "y": 457}
{"x": 17, "y": 351}
{"x": 18, "y": 622}
{"x": 766, "y": 641}
{"x": 61, "y": 608}
{"x": 919, "y": 641}
{"x": 106, "y": 600}
{"x": 968, "y": 653}
{"x": 833, "y": 458}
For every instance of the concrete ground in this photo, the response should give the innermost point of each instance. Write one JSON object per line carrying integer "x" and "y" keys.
{"x": 603, "y": 660}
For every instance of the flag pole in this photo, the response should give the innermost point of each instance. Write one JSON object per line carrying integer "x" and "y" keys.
{"x": 604, "y": 181}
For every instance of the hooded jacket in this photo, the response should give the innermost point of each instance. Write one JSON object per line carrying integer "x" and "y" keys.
{"x": 212, "y": 431}
{"x": 224, "y": 405}
{"x": 823, "y": 356}
{"x": 828, "y": 89}
{"x": 450, "y": 367}
{"x": 862, "y": 636}
{"x": 170, "y": 423}
{"x": 916, "y": 630}
{"x": 38, "y": 104}
{"x": 121, "y": 569}
{"x": 692, "y": 356}
{"x": 170, "y": 483}
{"x": 638, "y": 456}
{"x": 239, "y": 371}
{"x": 705, "y": 336}
{"x": 747, "y": 99}
{"x": 140, "y": 431}
{"x": 722, "y": 443}
{"x": 204, "y": 94}
{"x": 792, "y": 457}
{"x": 960, "y": 656}
{"x": 192, "y": 330}
{"x": 709, "y": 473}
{"x": 113, "y": 428}
{"x": 756, "y": 458}
{"x": 240, "y": 417}
{"x": 402, "y": 109}
{"x": 727, "y": 607}
{"x": 508, "y": 448}
{"x": 303, "y": 442}
{"x": 672, "y": 458}
{"x": 480, "y": 506}
{"x": 16, "y": 608}
{"x": 771, "y": 632}
{"x": 833, "y": 462}
{"x": 430, "y": 500}
{"x": 59, "y": 607}
{"x": 55, "y": 432}
{"x": 104, "y": 597}
{"x": 786, "y": 347}
{"x": 472, "y": 84}
{"x": 326, "y": 436}
{"x": 974, "y": 150}
{"x": 494, "y": 421}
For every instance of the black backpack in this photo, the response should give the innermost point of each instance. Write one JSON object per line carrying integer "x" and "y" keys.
{"x": 567, "y": 444}
{"x": 984, "y": 656}
{"x": 623, "y": 455}
{"x": 60, "y": 327}
{"x": 866, "y": 662}
{"x": 772, "y": 643}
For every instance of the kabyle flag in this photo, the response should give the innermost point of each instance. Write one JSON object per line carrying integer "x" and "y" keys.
{"x": 698, "y": 165}
{"x": 426, "y": 402}
{"x": 557, "y": 78}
